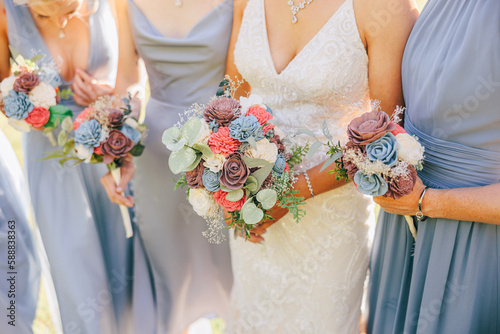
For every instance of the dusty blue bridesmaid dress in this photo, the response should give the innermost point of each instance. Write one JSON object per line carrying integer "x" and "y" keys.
{"x": 82, "y": 231}
{"x": 192, "y": 278}
{"x": 22, "y": 272}
{"x": 451, "y": 83}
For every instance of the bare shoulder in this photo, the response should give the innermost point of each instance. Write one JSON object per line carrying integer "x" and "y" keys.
{"x": 382, "y": 18}
{"x": 3, "y": 19}
{"x": 239, "y": 8}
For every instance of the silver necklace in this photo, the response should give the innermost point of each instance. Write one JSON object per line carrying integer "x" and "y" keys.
{"x": 296, "y": 8}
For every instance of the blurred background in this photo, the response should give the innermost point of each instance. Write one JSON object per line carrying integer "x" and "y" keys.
{"x": 43, "y": 322}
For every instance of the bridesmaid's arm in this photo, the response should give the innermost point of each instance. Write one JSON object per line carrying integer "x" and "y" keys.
{"x": 4, "y": 44}
{"x": 478, "y": 204}
{"x": 231, "y": 70}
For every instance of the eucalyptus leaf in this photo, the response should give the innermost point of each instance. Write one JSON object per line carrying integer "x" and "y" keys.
{"x": 326, "y": 132}
{"x": 251, "y": 184}
{"x": 252, "y": 142}
{"x": 251, "y": 214}
{"x": 180, "y": 160}
{"x": 235, "y": 195}
{"x": 267, "y": 197}
{"x": 254, "y": 162}
{"x": 56, "y": 154}
{"x": 204, "y": 149}
{"x": 36, "y": 58}
{"x": 314, "y": 148}
{"x": 224, "y": 188}
{"x": 307, "y": 132}
{"x": 69, "y": 145}
{"x": 170, "y": 138}
{"x": 61, "y": 138}
{"x": 262, "y": 174}
{"x": 67, "y": 124}
{"x": 191, "y": 129}
{"x": 331, "y": 160}
{"x": 195, "y": 163}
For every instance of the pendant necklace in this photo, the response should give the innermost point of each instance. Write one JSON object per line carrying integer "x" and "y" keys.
{"x": 295, "y": 8}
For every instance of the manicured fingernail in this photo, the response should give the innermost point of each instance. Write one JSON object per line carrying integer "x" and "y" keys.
{"x": 119, "y": 189}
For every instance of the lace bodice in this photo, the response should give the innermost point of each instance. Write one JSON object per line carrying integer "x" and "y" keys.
{"x": 327, "y": 80}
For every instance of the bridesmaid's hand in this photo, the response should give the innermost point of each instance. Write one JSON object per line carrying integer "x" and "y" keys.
{"x": 115, "y": 192}
{"x": 406, "y": 205}
{"x": 86, "y": 89}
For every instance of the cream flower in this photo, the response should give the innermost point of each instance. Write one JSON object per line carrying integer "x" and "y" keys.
{"x": 409, "y": 149}
{"x": 7, "y": 85}
{"x": 43, "y": 95}
{"x": 247, "y": 102}
{"x": 19, "y": 124}
{"x": 131, "y": 122}
{"x": 214, "y": 163}
{"x": 84, "y": 153}
{"x": 203, "y": 202}
{"x": 265, "y": 150}
{"x": 204, "y": 134}
{"x": 278, "y": 132}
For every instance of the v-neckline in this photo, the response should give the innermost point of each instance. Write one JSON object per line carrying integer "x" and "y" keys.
{"x": 270, "y": 56}
{"x": 47, "y": 50}
{"x": 190, "y": 32}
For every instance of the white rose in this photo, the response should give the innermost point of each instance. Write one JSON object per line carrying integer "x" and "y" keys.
{"x": 215, "y": 163}
{"x": 20, "y": 125}
{"x": 409, "y": 149}
{"x": 7, "y": 85}
{"x": 43, "y": 95}
{"x": 204, "y": 134}
{"x": 84, "y": 153}
{"x": 203, "y": 202}
{"x": 265, "y": 150}
{"x": 131, "y": 122}
{"x": 247, "y": 102}
{"x": 278, "y": 132}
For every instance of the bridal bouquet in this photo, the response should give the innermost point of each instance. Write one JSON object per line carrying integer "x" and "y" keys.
{"x": 105, "y": 134}
{"x": 380, "y": 157}
{"x": 30, "y": 97}
{"x": 232, "y": 157}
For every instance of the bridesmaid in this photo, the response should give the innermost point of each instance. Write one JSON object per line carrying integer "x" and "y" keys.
{"x": 448, "y": 280}
{"x": 183, "y": 45}
{"x": 15, "y": 232}
{"x": 81, "y": 229}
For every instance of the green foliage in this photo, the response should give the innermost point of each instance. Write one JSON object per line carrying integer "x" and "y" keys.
{"x": 335, "y": 152}
{"x": 181, "y": 182}
{"x": 65, "y": 94}
{"x": 298, "y": 154}
{"x": 292, "y": 203}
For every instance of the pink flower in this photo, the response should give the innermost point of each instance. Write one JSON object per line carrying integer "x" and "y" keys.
{"x": 369, "y": 127}
{"x": 220, "y": 198}
{"x": 267, "y": 128}
{"x": 260, "y": 113}
{"x": 82, "y": 117}
{"x": 221, "y": 142}
{"x": 399, "y": 129}
{"x": 38, "y": 117}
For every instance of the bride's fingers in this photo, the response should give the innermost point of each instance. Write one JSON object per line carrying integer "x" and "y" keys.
{"x": 256, "y": 239}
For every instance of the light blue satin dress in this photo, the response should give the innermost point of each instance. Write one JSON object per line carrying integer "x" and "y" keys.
{"x": 192, "y": 278}
{"x": 82, "y": 231}
{"x": 14, "y": 227}
{"x": 451, "y": 83}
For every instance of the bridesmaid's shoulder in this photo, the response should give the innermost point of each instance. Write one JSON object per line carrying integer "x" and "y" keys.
{"x": 379, "y": 18}
{"x": 3, "y": 18}
{"x": 239, "y": 7}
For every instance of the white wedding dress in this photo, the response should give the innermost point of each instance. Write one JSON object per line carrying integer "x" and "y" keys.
{"x": 306, "y": 277}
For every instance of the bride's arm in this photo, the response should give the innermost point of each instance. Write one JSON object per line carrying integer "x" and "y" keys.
{"x": 4, "y": 44}
{"x": 231, "y": 70}
{"x": 479, "y": 204}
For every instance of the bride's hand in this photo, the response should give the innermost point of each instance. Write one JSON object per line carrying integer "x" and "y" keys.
{"x": 115, "y": 192}
{"x": 406, "y": 205}
{"x": 260, "y": 229}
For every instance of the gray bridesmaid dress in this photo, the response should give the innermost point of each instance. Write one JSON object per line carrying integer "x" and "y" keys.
{"x": 14, "y": 227}
{"x": 451, "y": 83}
{"x": 90, "y": 258}
{"x": 192, "y": 278}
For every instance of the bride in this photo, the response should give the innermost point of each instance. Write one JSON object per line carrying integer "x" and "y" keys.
{"x": 313, "y": 61}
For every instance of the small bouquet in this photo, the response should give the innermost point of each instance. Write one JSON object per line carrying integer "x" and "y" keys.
{"x": 30, "y": 97}
{"x": 232, "y": 157}
{"x": 380, "y": 157}
{"x": 104, "y": 133}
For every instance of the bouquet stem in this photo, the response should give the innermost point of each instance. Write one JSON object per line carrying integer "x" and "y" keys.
{"x": 115, "y": 172}
{"x": 411, "y": 225}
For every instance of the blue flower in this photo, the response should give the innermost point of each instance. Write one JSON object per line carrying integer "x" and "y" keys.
{"x": 211, "y": 180}
{"x": 245, "y": 127}
{"x": 51, "y": 77}
{"x": 384, "y": 149}
{"x": 212, "y": 125}
{"x": 280, "y": 164}
{"x": 89, "y": 134}
{"x": 131, "y": 133}
{"x": 373, "y": 185}
{"x": 17, "y": 105}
